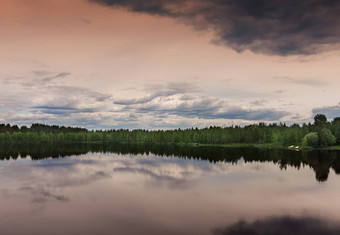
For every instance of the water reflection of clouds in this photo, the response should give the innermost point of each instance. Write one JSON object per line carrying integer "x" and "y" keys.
{"x": 40, "y": 179}
{"x": 158, "y": 180}
{"x": 42, "y": 195}
{"x": 128, "y": 191}
{"x": 172, "y": 172}
{"x": 37, "y": 180}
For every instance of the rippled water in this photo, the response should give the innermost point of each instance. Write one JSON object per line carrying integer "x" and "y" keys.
{"x": 168, "y": 191}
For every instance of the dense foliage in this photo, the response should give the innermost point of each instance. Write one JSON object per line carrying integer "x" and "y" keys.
{"x": 312, "y": 139}
{"x": 320, "y": 133}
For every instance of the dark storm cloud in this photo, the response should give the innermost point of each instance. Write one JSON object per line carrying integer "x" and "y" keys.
{"x": 151, "y": 7}
{"x": 277, "y": 27}
{"x": 280, "y": 226}
{"x": 330, "y": 111}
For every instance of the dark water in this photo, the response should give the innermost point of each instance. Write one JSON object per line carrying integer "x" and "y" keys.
{"x": 139, "y": 189}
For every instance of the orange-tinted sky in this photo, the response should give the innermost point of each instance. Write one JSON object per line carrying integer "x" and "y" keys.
{"x": 166, "y": 64}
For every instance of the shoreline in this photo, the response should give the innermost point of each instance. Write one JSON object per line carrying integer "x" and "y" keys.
{"x": 233, "y": 145}
{"x": 262, "y": 146}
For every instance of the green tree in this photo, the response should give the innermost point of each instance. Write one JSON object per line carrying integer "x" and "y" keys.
{"x": 326, "y": 138}
{"x": 312, "y": 139}
{"x": 336, "y": 129}
{"x": 320, "y": 120}
{"x": 304, "y": 142}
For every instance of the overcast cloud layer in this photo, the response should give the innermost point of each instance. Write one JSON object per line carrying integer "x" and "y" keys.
{"x": 276, "y": 27}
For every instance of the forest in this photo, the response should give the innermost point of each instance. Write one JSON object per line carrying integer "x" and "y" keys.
{"x": 320, "y": 133}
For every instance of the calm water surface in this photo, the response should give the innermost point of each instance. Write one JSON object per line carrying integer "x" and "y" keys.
{"x": 136, "y": 190}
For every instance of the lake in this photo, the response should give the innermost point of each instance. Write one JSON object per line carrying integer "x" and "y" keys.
{"x": 140, "y": 189}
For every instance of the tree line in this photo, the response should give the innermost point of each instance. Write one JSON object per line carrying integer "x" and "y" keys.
{"x": 320, "y": 133}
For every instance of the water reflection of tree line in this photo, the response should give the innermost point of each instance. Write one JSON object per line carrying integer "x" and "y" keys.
{"x": 319, "y": 160}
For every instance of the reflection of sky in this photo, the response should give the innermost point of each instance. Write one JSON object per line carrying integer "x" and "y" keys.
{"x": 101, "y": 193}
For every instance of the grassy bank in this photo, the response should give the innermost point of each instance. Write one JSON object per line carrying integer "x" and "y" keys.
{"x": 260, "y": 146}
{"x": 336, "y": 147}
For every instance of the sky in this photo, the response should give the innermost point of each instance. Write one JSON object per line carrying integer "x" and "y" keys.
{"x": 164, "y": 64}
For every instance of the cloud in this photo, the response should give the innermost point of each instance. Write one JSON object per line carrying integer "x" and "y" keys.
{"x": 79, "y": 91}
{"x": 201, "y": 107}
{"x": 46, "y": 78}
{"x": 43, "y": 101}
{"x": 296, "y": 117}
{"x": 278, "y": 92}
{"x": 281, "y": 225}
{"x": 59, "y": 75}
{"x": 173, "y": 100}
{"x": 274, "y": 27}
{"x": 161, "y": 91}
{"x": 63, "y": 110}
{"x": 252, "y": 114}
{"x": 65, "y": 100}
{"x": 40, "y": 72}
{"x": 258, "y": 102}
{"x": 330, "y": 111}
{"x": 169, "y": 105}
{"x": 309, "y": 82}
